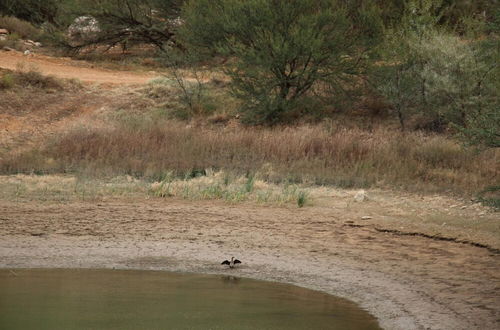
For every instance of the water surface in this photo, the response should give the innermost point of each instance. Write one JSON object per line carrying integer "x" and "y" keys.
{"x": 118, "y": 299}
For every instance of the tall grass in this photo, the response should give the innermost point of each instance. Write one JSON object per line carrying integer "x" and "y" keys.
{"x": 306, "y": 154}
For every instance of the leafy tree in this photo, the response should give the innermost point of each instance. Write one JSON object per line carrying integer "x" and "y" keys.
{"x": 400, "y": 77}
{"x": 281, "y": 50}
{"x": 397, "y": 78}
{"x": 482, "y": 124}
{"x": 431, "y": 71}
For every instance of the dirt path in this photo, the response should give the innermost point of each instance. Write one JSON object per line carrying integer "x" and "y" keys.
{"x": 70, "y": 69}
{"x": 408, "y": 282}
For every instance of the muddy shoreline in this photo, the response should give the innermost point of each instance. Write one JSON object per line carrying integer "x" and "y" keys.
{"x": 406, "y": 282}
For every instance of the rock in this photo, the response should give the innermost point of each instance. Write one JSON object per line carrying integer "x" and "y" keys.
{"x": 4, "y": 31}
{"x": 32, "y": 43}
{"x": 83, "y": 28}
{"x": 175, "y": 22}
{"x": 3, "y": 37}
{"x": 8, "y": 49}
{"x": 366, "y": 217}
{"x": 27, "y": 52}
{"x": 361, "y": 196}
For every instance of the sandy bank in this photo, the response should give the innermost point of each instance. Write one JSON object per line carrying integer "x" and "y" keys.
{"x": 407, "y": 282}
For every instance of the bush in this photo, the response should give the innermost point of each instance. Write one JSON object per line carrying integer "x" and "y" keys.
{"x": 450, "y": 80}
{"x": 283, "y": 50}
{"x": 490, "y": 197}
{"x": 31, "y": 78}
{"x": 7, "y": 81}
{"x": 36, "y": 79}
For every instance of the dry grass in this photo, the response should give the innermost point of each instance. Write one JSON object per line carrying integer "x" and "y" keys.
{"x": 68, "y": 188}
{"x": 20, "y": 28}
{"x": 306, "y": 154}
{"x": 29, "y": 76}
{"x": 214, "y": 186}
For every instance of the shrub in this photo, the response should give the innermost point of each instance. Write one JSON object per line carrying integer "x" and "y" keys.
{"x": 7, "y": 81}
{"x": 283, "y": 50}
{"x": 490, "y": 197}
{"x": 34, "y": 78}
{"x": 450, "y": 80}
{"x": 301, "y": 199}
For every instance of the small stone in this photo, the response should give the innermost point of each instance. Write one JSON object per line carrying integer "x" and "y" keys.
{"x": 8, "y": 49}
{"x": 27, "y": 52}
{"x": 366, "y": 217}
{"x": 4, "y": 31}
{"x": 360, "y": 196}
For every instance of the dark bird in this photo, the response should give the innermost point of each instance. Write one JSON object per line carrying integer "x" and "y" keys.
{"x": 231, "y": 263}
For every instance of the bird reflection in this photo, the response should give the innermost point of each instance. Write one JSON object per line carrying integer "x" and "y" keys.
{"x": 228, "y": 279}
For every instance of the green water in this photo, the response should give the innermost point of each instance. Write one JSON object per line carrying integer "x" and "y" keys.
{"x": 109, "y": 299}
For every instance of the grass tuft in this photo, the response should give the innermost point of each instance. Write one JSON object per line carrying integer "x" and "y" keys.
{"x": 301, "y": 199}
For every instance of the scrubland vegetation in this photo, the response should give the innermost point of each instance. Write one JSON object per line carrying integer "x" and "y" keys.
{"x": 311, "y": 154}
{"x": 394, "y": 94}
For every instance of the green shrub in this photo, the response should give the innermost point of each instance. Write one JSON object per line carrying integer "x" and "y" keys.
{"x": 446, "y": 78}
{"x": 301, "y": 199}
{"x": 283, "y": 50}
{"x": 7, "y": 81}
{"x": 491, "y": 197}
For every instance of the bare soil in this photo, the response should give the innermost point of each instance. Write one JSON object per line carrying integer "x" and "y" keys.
{"x": 408, "y": 282}
{"x": 71, "y": 69}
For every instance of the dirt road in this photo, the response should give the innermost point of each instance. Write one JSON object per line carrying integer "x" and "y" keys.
{"x": 70, "y": 69}
{"x": 408, "y": 282}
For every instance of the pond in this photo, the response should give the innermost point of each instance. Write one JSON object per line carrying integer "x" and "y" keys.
{"x": 126, "y": 299}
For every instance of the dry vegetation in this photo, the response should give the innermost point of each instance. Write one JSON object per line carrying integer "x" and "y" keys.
{"x": 137, "y": 136}
{"x": 306, "y": 154}
{"x": 20, "y": 28}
